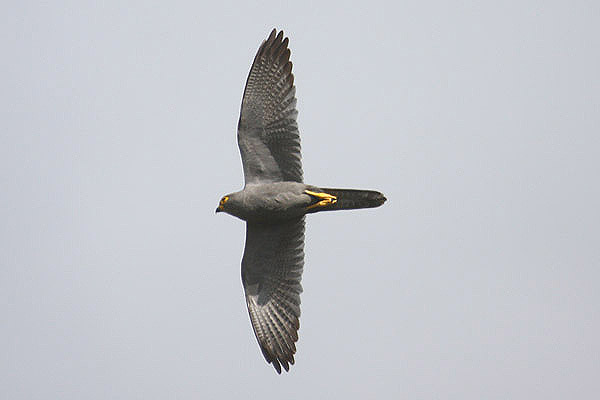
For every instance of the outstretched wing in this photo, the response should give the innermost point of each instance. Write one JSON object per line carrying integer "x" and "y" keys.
{"x": 271, "y": 273}
{"x": 268, "y": 135}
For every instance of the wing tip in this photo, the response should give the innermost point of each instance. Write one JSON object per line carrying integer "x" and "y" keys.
{"x": 277, "y": 366}
{"x": 275, "y": 47}
{"x": 278, "y": 361}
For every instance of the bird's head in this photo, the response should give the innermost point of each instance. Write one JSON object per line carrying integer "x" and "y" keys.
{"x": 223, "y": 204}
{"x": 232, "y": 204}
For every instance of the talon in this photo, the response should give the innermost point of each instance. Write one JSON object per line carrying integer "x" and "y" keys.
{"x": 327, "y": 199}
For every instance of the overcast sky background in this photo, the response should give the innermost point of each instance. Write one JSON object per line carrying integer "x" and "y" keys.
{"x": 479, "y": 279}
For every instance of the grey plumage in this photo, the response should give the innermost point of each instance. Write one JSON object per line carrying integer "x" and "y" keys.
{"x": 268, "y": 135}
{"x": 271, "y": 273}
{"x": 275, "y": 200}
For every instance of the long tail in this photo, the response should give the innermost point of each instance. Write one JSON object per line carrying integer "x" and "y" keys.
{"x": 350, "y": 199}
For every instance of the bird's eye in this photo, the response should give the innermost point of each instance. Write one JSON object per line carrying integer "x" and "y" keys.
{"x": 224, "y": 200}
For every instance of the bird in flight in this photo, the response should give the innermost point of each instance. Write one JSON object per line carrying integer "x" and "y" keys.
{"x": 275, "y": 200}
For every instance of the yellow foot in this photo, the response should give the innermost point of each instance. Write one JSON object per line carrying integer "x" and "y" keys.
{"x": 327, "y": 199}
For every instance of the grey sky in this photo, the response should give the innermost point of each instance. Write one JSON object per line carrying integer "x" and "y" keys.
{"x": 477, "y": 280}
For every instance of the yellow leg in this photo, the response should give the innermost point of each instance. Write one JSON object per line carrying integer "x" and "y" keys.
{"x": 327, "y": 199}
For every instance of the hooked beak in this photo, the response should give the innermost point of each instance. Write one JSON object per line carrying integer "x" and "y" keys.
{"x": 219, "y": 209}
